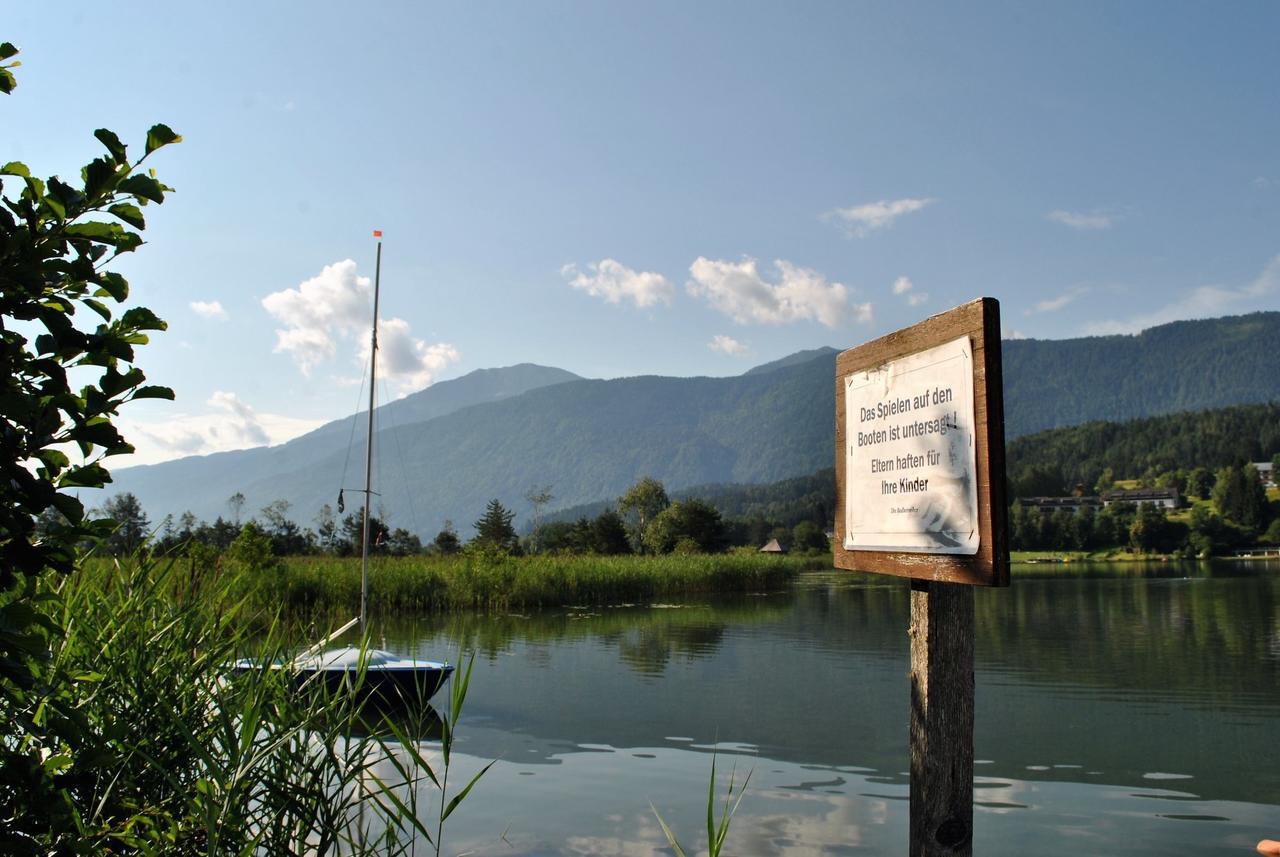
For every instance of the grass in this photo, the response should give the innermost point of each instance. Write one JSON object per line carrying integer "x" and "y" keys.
{"x": 1107, "y": 555}
{"x": 158, "y": 750}
{"x": 501, "y": 583}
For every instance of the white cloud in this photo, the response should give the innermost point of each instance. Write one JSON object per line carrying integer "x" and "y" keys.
{"x": 1009, "y": 333}
{"x": 228, "y": 424}
{"x": 615, "y": 282}
{"x": 727, "y": 345}
{"x": 739, "y": 291}
{"x": 208, "y": 309}
{"x": 243, "y": 421}
{"x": 1056, "y": 303}
{"x": 1080, "y": 220}
{"x": 1205, "y": 302}
{"x": 408, "y": 363}
{"x": 860, "y": 220}
{"x": 333, "y": 307}
{"x": 904, "y": 286}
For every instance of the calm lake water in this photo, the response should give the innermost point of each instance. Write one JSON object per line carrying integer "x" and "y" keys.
{"x": 1120, "y": 710}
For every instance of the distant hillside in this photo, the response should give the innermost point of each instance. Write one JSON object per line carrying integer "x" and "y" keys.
{"x": 786, "y": 502}
{"x": 1183, "y": 366}
{"x": 1053, "y": 462}
{"x": 202, "y": 483}
{"x": 589, "y": 440}
{"x": 793, "y": 360}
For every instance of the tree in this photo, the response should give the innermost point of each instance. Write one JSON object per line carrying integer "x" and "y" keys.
{"x": 287, "y": 538}
{"x": 1200, "y": 482}
{"x": 401, "y": 542}
{"x": 352, "y": 539}
{"x": 609, "y": 534}
{"x": 236, "y": 504}
{"x": 641, "y": 503}
{"x": 494, "y": 528}
{"x": 446, "y": 541}
{"x": 1153, "y": 532}
{"x": 326, "y": 529}
{"x": 695, "y": 520}
{"x": 253, "y": 548}
{"x": 538, "y": 498}
{"x": 57, "y": 321}
{"x": 808, "y": 536}
{"x": 131, "y": 524}
{"x": 1239, "y": 496}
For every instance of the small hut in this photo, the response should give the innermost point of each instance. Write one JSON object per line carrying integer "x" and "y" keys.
{"x": 773, "y": 547}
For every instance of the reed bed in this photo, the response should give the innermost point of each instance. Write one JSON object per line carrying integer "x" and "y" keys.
{"x": 503, "y": 583}
{"x": 153, "y": 747}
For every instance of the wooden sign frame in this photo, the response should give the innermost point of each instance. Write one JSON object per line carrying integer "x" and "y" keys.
{"x": 978, "y": 320}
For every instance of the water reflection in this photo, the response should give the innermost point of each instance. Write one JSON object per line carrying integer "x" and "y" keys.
{"x": 1110, "y": 702}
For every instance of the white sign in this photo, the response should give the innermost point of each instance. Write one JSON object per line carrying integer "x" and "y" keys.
{"x": 910, "y": 461}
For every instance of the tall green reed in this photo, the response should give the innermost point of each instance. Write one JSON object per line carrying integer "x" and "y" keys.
{"x": 178, "y": 757}
{"x": 717, "y": 829}
{"x": 446, "y": 584}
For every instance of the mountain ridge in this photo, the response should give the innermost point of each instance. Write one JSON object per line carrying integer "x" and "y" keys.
{"x": 589, "y": 438}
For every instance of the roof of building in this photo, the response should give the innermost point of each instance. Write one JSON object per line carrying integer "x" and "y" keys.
{"x": 773, "y": 547}
{"x": 1138, "y": 494}
{"x": 1063, "y": 502}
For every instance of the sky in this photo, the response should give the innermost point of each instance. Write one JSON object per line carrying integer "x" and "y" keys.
{"x": 659, "y": 188}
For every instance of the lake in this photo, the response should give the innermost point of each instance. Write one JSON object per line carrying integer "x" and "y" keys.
{"x": 1129, "y": 709}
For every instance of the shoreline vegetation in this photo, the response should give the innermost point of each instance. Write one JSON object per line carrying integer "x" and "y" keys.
{"x": 492, "y": 582}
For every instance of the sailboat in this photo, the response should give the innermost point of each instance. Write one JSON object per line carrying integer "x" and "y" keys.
{"x": 386, "y": 677}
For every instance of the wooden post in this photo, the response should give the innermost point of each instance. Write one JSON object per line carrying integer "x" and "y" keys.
{"x": 900, "y": 511}
{"x": 942, "y": 631}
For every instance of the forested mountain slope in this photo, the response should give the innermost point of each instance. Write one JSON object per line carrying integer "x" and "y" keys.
{"x": 1186, "y": 365}
{"x": 1053, "y": 462}
{"x": 590, "y": 439}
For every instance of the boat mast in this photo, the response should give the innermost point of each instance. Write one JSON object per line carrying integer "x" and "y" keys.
{"x": 368, "y": 448}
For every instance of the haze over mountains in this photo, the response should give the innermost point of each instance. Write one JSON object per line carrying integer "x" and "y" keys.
{"x": 445, "y": 451}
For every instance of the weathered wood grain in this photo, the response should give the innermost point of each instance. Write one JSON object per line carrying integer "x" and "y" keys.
{"x": 941, "y": 731}
{"x": 980, "y": 321}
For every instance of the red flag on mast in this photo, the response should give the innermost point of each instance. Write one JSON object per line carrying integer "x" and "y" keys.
{"x": 377, "y": 233}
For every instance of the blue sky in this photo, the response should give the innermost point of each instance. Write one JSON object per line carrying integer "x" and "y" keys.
{"x": 622, "y": 189}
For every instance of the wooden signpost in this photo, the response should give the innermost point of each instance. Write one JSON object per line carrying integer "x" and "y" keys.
{"x": 920, "y": 493}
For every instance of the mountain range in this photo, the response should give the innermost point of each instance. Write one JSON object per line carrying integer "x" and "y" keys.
{"x": 450, "y": 448}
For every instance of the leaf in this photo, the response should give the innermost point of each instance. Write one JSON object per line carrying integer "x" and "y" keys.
{"x": 154, "y": 392}
{"x": 53, "y": 459}
{"x": 114, "y": 285}
{"x": 130, "y": 214}
{"x": 97, "y": 175}
{"x": 117, "y": 149}
{"x": 457, "y": 799}
{"x": 161, "y": 135}
{"x": 99, "y": 307}
{"x": 671, "y": 837}
{"x": 15, "y": 168}
{"x": 7, "y": 50}
{"x": 142, "y": 186}
{"x": 88, "y": 476}
{"x": 7, "y": 81}
{"x": 97, "y": 230}
{"x": 141, "y": 318}
{"x": 56, "y": 207}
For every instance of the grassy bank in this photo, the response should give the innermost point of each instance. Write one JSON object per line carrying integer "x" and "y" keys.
{"x": 1111, "y": 555}
{"x": 445, "y": 584}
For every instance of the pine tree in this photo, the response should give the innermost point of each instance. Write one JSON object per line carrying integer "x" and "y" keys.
{"x": 494, "y": 527}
